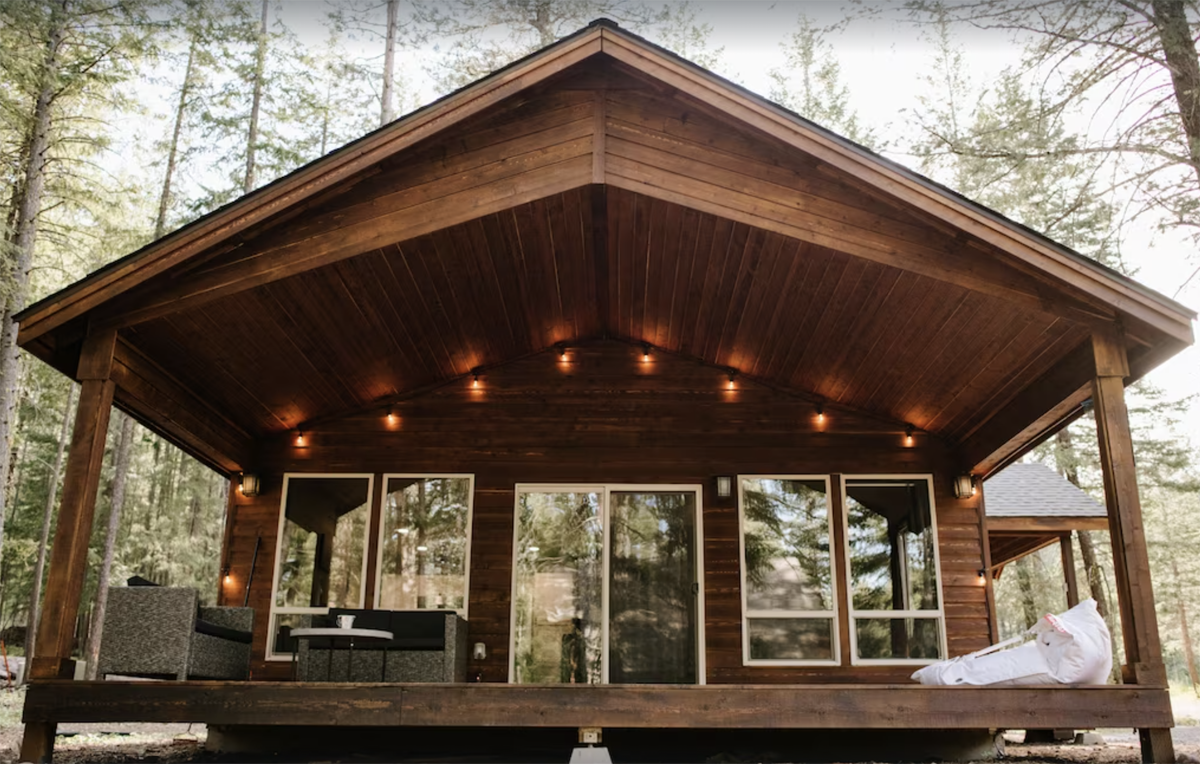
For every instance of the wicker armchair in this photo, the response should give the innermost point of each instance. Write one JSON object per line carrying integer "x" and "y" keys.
{"x": 161, "y": 631}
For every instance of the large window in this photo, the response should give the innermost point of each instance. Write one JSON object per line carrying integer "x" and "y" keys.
{"x": 892, "y": 565}
{"x": 320, "y": 556}
{"x": 424, "y": 542}
{"x": 788, "y": 593}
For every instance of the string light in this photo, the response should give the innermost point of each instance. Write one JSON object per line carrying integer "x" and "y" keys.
{"x": 645, "y": 352}
{"x": 908, "y": 435}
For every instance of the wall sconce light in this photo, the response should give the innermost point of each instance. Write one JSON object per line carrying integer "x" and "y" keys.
{"x": 732, "y": 377}
{"x": 479, "y": 652}
{"x": 561, "y": 349}
{"x": 249, "y": 486}
{"x": 964, "y": 486}
{"x": 820, "y": 413}
{"x": 225, "y": 576}
{"x": 645, "y": 352}
{"x": 392, "y": 419}
{"x": 475, "y": 377}
{"x": 300, "y": 441}
{"x": 724, "y": 486}
{"x": 982, "y": 576}
{"x": 908, "y": 435}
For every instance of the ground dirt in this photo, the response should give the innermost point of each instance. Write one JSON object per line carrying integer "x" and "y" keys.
{"x": 182, "y": 743}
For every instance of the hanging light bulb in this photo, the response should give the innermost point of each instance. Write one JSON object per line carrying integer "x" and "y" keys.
{"x": 908, "y": 435}
{"x": 300, "y": 438}
{"x": 392, "y": 419}
{"x": 562, "y": 352}
{"x": 820, "y": 413}
{"x": 475, "y": 377}
{"x": 645, "y": 352}
{"x": 732, "y": 377}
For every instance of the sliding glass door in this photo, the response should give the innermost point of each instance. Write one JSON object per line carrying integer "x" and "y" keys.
{"x": 606, "y": 585}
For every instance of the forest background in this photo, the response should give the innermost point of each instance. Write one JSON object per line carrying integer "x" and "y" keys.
{"x": 121, "y": 120}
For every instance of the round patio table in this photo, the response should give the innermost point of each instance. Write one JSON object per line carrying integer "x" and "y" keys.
{"x": 334, "y": 633}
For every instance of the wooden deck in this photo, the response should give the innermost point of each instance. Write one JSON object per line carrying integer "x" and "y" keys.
{"x": 609, "y": 706}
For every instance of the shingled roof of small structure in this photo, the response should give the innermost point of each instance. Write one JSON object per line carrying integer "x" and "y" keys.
{"x": 1035, "y": 490}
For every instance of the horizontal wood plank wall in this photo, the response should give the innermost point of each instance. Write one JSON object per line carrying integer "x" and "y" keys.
{"x": 605, "y": 416}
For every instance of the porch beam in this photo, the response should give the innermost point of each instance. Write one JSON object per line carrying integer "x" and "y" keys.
{"x": 1068, "y": 563}
{"x": 1049, "y": 524}
{"x": 803, "y": 706}
{"x": 1131, "y": 562}
{"x": 68, "y": 557}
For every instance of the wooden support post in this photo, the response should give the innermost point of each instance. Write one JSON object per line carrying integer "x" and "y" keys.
{"x": 1068, "y": 563}
{"x": 1131, "y": 562}
{"x": 68, "y": 557}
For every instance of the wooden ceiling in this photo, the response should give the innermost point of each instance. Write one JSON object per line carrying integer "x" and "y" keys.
{"x": 596, "y": 199}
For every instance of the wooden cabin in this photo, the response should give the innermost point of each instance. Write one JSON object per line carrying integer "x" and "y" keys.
{"x": 701, "y": 394}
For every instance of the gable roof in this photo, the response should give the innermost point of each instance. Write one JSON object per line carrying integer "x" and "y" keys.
{"x": 604, "y": 109}
{"x": 1035, "y": 490}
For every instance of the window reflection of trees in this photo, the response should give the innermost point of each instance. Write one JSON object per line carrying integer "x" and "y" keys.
{"x": 786, "y": 525}
{"x": 425, "y": 543}
{"x": 788, "y": 568}
{"x": 652, "y": 602}
{"x": 892, "y": 567}
{"x": 558, "y": 607}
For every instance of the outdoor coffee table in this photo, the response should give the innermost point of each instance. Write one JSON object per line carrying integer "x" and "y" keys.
{"x": 334, "y": 633}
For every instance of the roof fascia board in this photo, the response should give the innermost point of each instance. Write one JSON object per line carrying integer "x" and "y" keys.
{"x": 300, "y": 185}
{"x": 1169, "y": 318}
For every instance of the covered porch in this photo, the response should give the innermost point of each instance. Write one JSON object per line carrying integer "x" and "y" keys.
{"x": 602, "y": 272}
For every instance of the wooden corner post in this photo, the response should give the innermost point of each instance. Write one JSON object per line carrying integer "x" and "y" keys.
{"x": 1131, "y": 561}
{"x": 68, "y": 557}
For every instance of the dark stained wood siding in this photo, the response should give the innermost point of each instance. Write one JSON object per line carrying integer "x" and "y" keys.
{"x": 605, "y": 416}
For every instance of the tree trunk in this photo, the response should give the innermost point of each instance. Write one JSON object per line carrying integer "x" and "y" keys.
{"x": 260, "y": 65}
{"x": 39, "y": 567}
{"x": 29, "y": 205}
{"x": 1179, "y": 52}
{"x": 164, "y": 200}
{"x": 120, "y": 471}
{"x": 389, "y": 63}
{"x": 1188, "y": 654}
{"x": 1025, "y": 583}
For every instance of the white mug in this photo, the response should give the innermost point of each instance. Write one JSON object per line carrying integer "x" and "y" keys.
{"x": 345, "y": 621}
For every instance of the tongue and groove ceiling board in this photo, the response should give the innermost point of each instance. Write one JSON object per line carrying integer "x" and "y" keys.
{"x": 852, "y": 331}
{"x": 603, "y": 199}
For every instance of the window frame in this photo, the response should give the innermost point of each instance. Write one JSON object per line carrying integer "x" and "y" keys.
{"x": 833, "y": 615}
{"x": 605, "y": 489}
{"x": 275, "y": 610}
{"x": 467, "y": 554}
{"x": 853, "y": 615}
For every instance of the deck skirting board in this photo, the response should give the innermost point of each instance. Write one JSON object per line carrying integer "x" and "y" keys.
{"x": 613, "y": 706}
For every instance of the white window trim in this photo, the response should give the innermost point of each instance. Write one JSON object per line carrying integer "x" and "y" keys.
{"x": 275, "y": 611}
{"x": 605, "y": 489}
{"x": 939, "y": 614}
{"x": 747, "y": 614}
{"x": 467, "y": 558}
